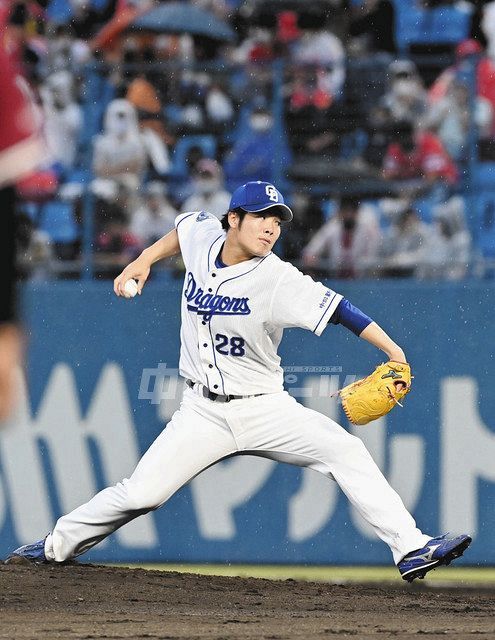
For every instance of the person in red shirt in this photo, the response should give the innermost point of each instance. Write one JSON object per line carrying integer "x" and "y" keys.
{"x": 417, "y": 155}
{"x": 21, "y": 149}
{"x": 485, "y": 74}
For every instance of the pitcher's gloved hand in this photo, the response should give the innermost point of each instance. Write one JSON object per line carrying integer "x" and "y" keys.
{"x": 374, "y": 396}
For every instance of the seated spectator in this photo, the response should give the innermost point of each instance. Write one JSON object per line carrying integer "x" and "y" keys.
{"x": 155, "y": 217}
{"x": 347, "y": 245}
{"x": 252, "y": 155}
{"x": 488, "y": 27}
{"x": 403, "y": 246}
{"x": 255, "y": 54}
{"x": 440, "y": 86}
{"x": 450, "y": 118}
{"x": 406, "y": 98}
{"x": 287, "y": 29}
{"x": 319, "y": 48}
{"x": 218, "y": 105}
{"x": 114, "y": 239}
{"x": 119, "y": 152}
{"x": 256, "y": 48}
{"x": 485, "y": 75}
{"x": 448, "y": 248}
{"x": 193, "y": 90}
{"x": 63, "y": 119}
{"x": 378, "y": 136}
{"x": 142, "y": 94}
{"x": 208, "y": 190}
{"x": 419, "y": 156}
{"x": 64, "y": 50}
{"x": 308, "y": 90}
{"x": 35, "y": 255}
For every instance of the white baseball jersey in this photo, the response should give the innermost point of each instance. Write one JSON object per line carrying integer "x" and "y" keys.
{"x": 233, "y": 318}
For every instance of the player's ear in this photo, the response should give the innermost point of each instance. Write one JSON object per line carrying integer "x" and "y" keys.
{"x": 233, "y": 219}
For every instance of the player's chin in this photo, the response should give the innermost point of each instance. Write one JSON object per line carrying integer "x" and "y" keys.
{"x": 262, "y": 249}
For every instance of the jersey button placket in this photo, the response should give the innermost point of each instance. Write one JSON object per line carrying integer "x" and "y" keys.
{"x": 207, "y": 336}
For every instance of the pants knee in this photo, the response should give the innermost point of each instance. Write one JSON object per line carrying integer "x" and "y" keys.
{"x": 140, "y": 498}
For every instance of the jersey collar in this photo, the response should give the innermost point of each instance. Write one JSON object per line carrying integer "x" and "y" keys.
{"x": 229, "y": 271}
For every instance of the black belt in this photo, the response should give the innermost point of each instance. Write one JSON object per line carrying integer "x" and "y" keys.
{"x": 217, "y": 397}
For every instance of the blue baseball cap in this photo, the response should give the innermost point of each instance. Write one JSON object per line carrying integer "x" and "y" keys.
{"x": 255, "y": 197}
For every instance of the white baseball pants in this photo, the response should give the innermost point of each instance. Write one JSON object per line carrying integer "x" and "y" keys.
{"x": 202, "y": 432}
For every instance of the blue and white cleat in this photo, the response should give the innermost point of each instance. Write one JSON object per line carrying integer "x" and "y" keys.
{"x": 439, "y": 551}
{"x": 28, "y": 554}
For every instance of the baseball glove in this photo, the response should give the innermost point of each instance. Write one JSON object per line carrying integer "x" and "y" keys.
{"x": 374, "y": 396}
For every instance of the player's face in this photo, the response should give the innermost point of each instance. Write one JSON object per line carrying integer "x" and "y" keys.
{"x": 257, "y": 234}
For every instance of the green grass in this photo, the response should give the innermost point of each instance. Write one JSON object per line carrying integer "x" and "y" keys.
{"x": 446, "y": 575}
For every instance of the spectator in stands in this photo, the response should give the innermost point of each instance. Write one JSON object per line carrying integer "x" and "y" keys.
{"x": 114, "y": 239}
{"x": 64, "y": 50}
{"x": 119, "y": 152}
{"x": 253, "y": 153}
{"x": 406, "y": 98}
{"x": 192, "y": 93}
{"x": 253, "y": 54}
{"x": 35, "y": 256}
{"x": 208, "y": 190}
{"x": 142, "y": 94}
{"x": 287, "y": 30}
{"x": 403, "y": 246}
{"x": 469, "y": 50}
{"x": 373, "y": 24}
{"x": 440, "y": 86}
{"x": 155, "y": 217}
{"x": 488, "y": 28}
{"x": 218, "y": 105}
{"x": 448, "y": 248}
{"x": 347, "y": 245}
{"x": 63, "y": 119}
{"x": 378, "y": 136}
{"x": 450, "y": 118}
{"x": 256, "y": 48}
{"x": 419, "y": 156}
{"x": 320, "y": 51}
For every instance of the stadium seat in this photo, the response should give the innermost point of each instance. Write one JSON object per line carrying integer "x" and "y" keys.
{"x": 485, "y": 224}
{"x": 57, "y": 220}
{"x": 440, "y": 25}
{"x": 484, "y": 176}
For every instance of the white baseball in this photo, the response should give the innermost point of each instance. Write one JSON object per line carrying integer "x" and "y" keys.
{"x": 130, "y": 288}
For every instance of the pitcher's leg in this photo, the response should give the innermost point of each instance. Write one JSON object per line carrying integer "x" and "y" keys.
{"x": 194, "y": 439}
{"x": 289, "y": 431}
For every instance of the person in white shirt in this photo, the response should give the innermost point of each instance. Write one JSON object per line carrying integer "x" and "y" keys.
{"x": 348, "y": 244}
{"x": 62, "y": 118}
{"x": 119, "y": 152}
{"x": 156, "y": 215}
{"x": 209, "y": 193}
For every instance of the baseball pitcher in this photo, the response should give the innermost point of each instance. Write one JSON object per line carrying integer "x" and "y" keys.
{"x": 237, "y": 299}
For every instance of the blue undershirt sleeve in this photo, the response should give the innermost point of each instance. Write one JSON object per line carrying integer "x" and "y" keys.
{"x": 350, "y": 317}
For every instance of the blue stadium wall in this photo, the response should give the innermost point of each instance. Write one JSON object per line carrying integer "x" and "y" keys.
{"x": 101, "y": 380}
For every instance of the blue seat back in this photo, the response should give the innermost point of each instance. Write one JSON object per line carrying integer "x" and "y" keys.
{"x": 58, "y": 221}
{"x": 485, "y": 224}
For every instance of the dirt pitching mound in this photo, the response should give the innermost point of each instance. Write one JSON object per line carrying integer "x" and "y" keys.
{"x": 85, "y": 601}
